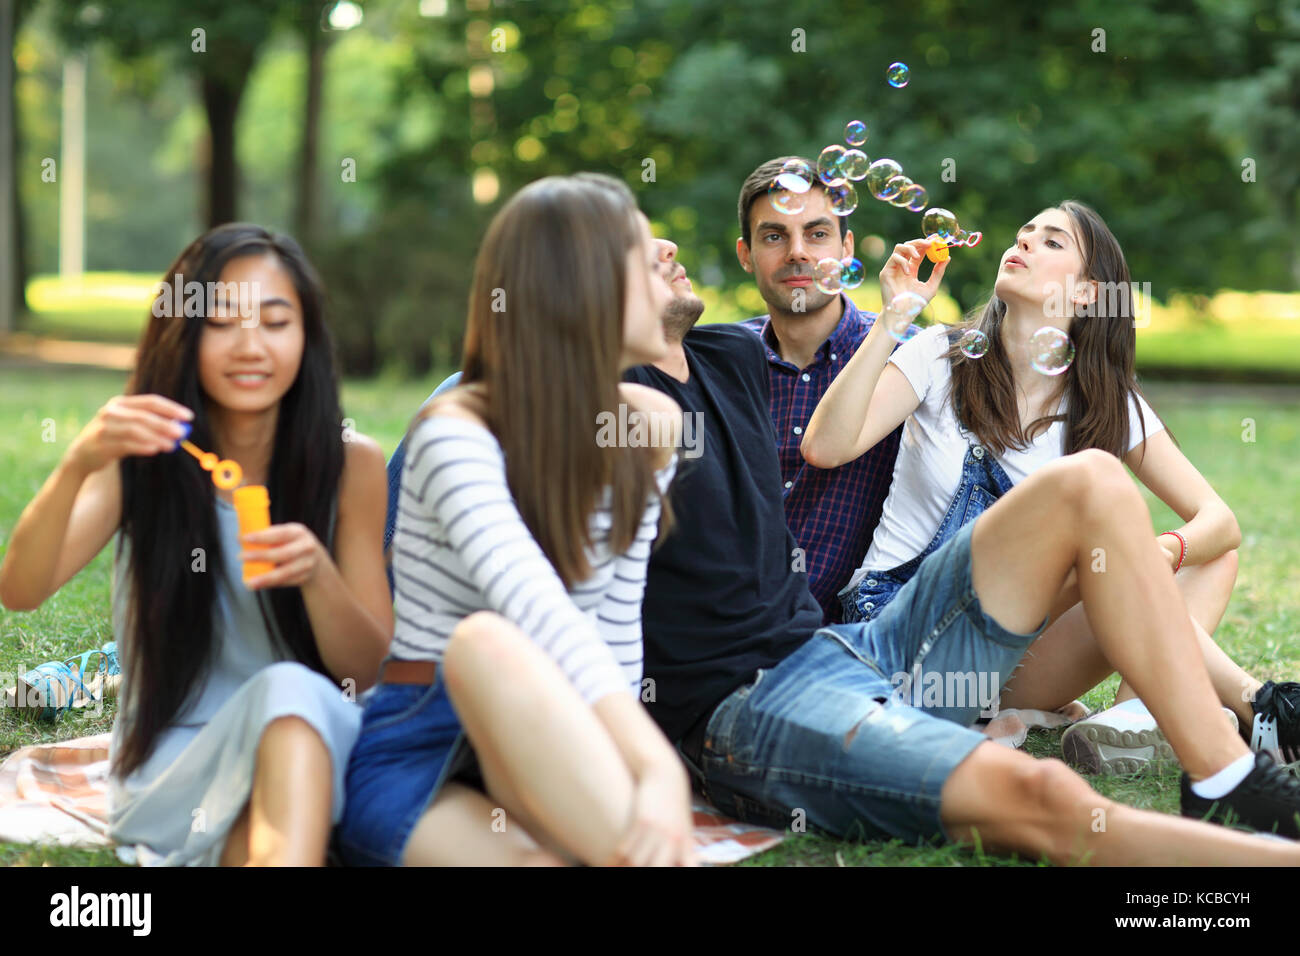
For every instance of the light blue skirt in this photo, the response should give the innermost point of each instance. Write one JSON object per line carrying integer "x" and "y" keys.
{"x": 183, "y": 801}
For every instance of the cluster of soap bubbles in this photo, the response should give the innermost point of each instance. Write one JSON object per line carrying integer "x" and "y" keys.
{"x": 835, "y": 167}
{"x": 838, "y": 168}
{"x": 885, "y": 181}
{"x": 832, "y": 275}
{"x": 1050, "y": 350}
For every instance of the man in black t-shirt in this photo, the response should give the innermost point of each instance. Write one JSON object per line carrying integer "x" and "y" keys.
{"x": 784, "y": 722}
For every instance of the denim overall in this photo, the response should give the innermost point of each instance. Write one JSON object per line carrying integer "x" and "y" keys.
{"x": 982, "y": 482}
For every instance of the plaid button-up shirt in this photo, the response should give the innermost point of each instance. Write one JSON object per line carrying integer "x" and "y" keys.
{"x": 832, "y": 512}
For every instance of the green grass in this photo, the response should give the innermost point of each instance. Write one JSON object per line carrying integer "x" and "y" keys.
{"x": 1242, "y": 352}
{"x": 102, "y": 307}
{"x": 1256, "y": 478}
{"x": 1181, "y": 343}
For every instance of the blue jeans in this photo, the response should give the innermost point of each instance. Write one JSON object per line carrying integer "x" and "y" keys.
{"x": 395, "y": 465}
{"x": 843, "y": 734}
{"x": 982, "y": 482}
{"x": 409, "y": 743}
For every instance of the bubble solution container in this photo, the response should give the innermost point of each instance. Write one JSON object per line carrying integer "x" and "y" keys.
{"x": 253, "y": 509}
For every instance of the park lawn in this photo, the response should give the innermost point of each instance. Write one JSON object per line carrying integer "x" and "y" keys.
{"x": 1256, "y": 477}
{"x": 101, "y": 307}
{"x": 112, "y": 306}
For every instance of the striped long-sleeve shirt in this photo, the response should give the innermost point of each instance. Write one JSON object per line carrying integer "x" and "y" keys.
{"x": 461, "y": 546}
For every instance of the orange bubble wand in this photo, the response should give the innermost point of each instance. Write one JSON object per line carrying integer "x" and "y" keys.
{"x": 226, "y": 474}
{"x": 252, "y": 505}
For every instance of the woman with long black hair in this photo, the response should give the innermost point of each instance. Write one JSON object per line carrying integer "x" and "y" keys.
{"x": 236, "y": 711}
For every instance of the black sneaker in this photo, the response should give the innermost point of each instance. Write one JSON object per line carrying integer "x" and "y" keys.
{"x": 1268, "y": 800}
{"x": 1276, "y": 728}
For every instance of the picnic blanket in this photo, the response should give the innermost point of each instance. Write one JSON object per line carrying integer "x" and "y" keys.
{"x": 58, "y": 793}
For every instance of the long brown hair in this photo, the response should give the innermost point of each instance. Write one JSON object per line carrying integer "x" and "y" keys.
{"x": 543, "y": 339}
{"x": 169, "y": 506}
{"x": 1097, "y": 384}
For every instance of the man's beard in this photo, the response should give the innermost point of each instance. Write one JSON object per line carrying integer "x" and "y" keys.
{"x": 680, "y": 316}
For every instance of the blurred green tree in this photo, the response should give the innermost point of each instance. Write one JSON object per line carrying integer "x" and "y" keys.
{"x": 216, "y": 41}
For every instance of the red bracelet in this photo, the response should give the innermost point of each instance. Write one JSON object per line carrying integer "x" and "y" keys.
{"x": 1181, "y": 554}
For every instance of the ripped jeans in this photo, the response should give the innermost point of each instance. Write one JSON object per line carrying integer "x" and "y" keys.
{"x": 845, "y": 734}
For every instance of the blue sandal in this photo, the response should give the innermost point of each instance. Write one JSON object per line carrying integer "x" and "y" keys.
{"x": 54, "y": 688}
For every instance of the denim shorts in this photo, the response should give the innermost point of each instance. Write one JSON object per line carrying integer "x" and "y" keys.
{"x": 844, "y": 736}
{"x": 410, "y": 742}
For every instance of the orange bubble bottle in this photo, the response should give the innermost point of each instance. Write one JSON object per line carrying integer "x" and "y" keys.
{"x": 253, "y": 508}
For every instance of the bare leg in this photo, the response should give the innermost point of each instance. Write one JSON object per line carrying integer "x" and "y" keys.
{"x": 1206, "y": 590}
{"x": 235, "y": 852}
{"x": 546, "y": 757}
{"x": 1061, "y": 518}
{"x": 1066, "y": 661}
{"x": 1038, "y": 808}
{"x": 287, "y": 820}
{"x": 500, "y": 787}
{"x": 463, "y": 828}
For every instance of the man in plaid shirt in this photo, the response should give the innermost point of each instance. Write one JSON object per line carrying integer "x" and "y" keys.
{"x": 809, "y": 336}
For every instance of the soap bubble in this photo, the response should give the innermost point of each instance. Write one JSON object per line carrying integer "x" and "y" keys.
{"x": 783, "y": 200}
{"x": 879, "y": 173}
{"x": 855, "y": 134}
{"x": 843, "y": 199}
{"x": 940, "y": 221}
{"x": 897, "y": 75}
{"x": 1050, "y": 350}
{"x": 796, "y": 175}
{"x": 973, "y": 343}
{"x": 905, "y": 194}
{"x": 892, "y": 188}
{"x": 852, "y": 274}
{"x": 827, "y": 275}
{"x": 830, "y": 168}
{"x": 854, "y": 164}
{"x": 916, "y": 197}
{"x": 903, "y": 308}
{"x": 959, "y": 238}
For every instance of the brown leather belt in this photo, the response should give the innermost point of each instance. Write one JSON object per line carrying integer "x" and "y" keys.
{"x": 409, "y": 672}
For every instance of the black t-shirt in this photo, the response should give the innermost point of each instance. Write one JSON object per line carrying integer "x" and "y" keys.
{"x": 722, "y": 599}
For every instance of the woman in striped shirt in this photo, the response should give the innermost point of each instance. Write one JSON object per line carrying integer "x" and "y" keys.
{"x": 519, "y": 561}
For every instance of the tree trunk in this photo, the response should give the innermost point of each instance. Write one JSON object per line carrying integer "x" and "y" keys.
{"x": 221, "y": 98}
{"x": 20, "y": 233}
{"x": 306, "y": 207}
{"x": 8, "y": 172}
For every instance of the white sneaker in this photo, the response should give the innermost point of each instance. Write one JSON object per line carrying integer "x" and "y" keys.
{"x": 1123, "y": 739}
